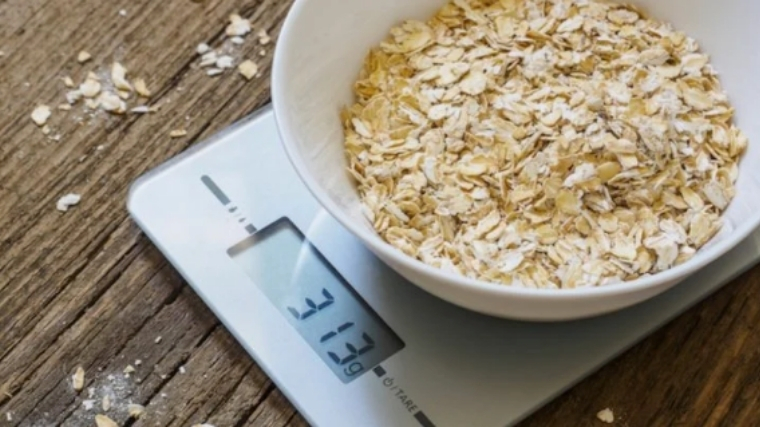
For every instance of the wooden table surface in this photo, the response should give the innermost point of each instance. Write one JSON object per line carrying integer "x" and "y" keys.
{"x": 86, "y": 288}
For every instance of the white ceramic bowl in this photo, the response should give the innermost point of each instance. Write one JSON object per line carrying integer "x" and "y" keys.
{"x": 320, "y": 51}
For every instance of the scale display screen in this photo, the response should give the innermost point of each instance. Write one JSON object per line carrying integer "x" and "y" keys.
{"x": 333, "y": 319}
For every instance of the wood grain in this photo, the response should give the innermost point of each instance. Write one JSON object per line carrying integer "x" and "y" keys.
{"x": 86, "y": 288}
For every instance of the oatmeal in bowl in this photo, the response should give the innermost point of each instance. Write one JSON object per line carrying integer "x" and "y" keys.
{"x": 532, "y": 159}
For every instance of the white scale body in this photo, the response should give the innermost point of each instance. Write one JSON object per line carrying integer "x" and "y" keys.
{"x": 227, "y": 214}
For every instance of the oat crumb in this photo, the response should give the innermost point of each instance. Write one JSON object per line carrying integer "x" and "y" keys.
{"x": 88, "y": 404}
{"x": 606, "y": 416}
{"x": 202, "y": 49}
{"x": 214, "y": 72}
{"x": 41, "y": 114}
{"x": 83, "y": 57}
{"x": 183, "y": 132}
{"x": 264, "y": 38}
{"x": 111, "y": 103}
{"x": 177, "y": 133}
{"x": 9, "y": 416}
{"x": 141, "y": 109}
{"x": 238, "y": 26}
{"x": 68, "y": 82}
{"x": 263, "y": 52}
{"x": 119, "y": 77}
{"x": 248, "y": 69}
{"x": 129, "y": 369}
{"x": 122, "y": 12}
{"x": 224, "y": 62}
{"x": 104, "y": 421}
{"x": 106, "y": 403}
{"x": 135, "y": 410}
{"x": 64, "y": 107}
{"x": 90, "y": 88}
{"x": 138, "y": 362}
{"x": 237, "y": 40}
{"x": 182, "y": 370}
{"x": 142, "y": 88}
{"x": 63, "y": 204}
{"x": 208, "y": 59}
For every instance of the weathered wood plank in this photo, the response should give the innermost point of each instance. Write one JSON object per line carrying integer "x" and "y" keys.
{"x": 702, "y": 369}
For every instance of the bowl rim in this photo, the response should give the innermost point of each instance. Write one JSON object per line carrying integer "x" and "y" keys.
{"x": 284, "y": 122}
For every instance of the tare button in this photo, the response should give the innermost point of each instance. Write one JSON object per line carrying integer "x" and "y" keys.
{"x": 402, "y": 396}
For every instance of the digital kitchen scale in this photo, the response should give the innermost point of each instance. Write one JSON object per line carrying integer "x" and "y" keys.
{"x": 346, "y": 339}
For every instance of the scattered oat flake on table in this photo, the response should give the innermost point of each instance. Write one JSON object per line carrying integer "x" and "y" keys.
{"x": 606, "y": 416}
{"x": 225, "y": 61}
{"x": 106, "y": 403}
{"x": 142, "y": 88}
{"x": 90, "y": 88}
{"x": 122, "y": 12}
{"x": 177, "y": 133}
{"x": 237, "y": 40}
{"x": 68, "y": 82}
{"x": 208, "y": 59}
{"x": 104, "y": 421}
{"x": 83, "y": 57}
{"x": 129, "y": 369}
{"x": 158, "y": 339}
{"x": 8, "y": 415}
{"x": 63, "y": 205}
{"x": 264, "y": 38}
{"x": 77, "y": 379}
{"x": 202, "y": 49}
{"x": 211, "y": 72}
{"x": 263, "y": 52}
{"x": 119, "y": 77}
{"x": 248, "y": 69}
{"x": 111, "y": 103}
{"x": 238, "y": 26}
{"x": 142, "y": 109}
{"x": 182, "y": 370}
{"x": 41, "y": 114}
{"x": 135, "y": 410}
